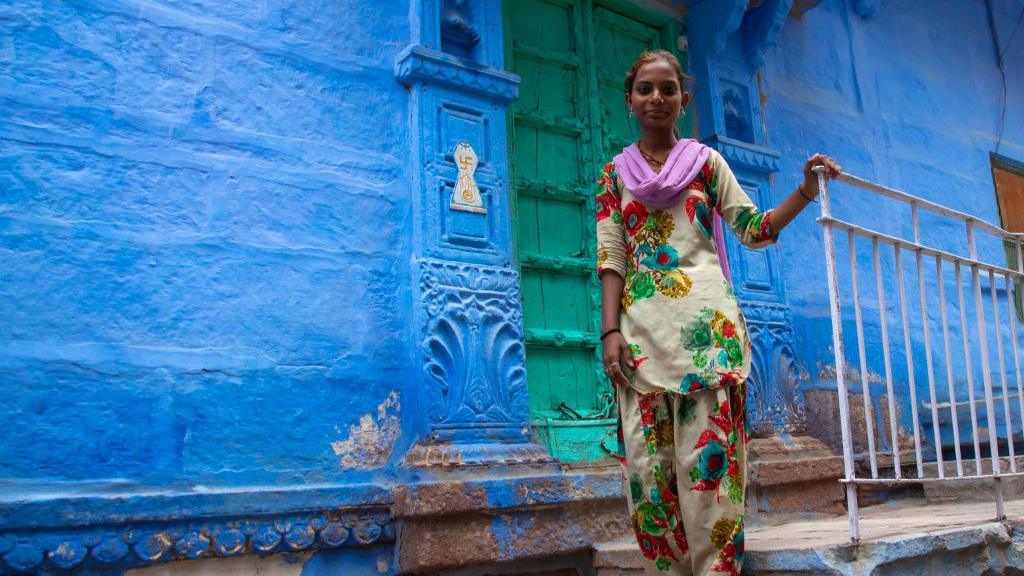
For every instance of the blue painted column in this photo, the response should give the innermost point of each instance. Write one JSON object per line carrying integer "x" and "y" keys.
{"x": 469, "y": 380}
{"x": 727, "y": 42}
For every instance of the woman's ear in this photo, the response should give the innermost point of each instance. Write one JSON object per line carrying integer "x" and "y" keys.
{"x": 685, "y": 99}
{"x": 629, "y": 101}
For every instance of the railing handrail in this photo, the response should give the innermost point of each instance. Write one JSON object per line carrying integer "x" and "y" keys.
{"x": 974, "y": 268}
{"x": 926, "y": 204}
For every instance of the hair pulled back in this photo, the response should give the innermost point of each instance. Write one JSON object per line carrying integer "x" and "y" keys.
{"x": 648, "y": 56}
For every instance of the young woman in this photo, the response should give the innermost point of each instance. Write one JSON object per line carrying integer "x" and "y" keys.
{"x": 675, "y": 344}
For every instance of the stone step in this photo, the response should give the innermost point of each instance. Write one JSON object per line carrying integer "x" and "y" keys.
{"x": 909, "y": 537}
{"x": 793, "y": 475}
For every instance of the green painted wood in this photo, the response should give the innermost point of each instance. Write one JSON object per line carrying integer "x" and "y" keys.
{"x": 571, "y": 56}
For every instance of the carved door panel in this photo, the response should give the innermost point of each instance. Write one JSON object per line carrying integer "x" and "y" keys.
{"x": 552, "y": 155}
{"x": 571, "y": 56}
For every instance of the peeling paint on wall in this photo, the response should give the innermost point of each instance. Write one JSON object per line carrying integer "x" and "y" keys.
{"x": 370, "y": 441}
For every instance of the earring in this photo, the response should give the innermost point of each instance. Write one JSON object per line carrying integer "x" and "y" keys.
{"x": 630, "y": 110}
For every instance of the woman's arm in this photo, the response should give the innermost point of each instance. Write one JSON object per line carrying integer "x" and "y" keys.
{"x": 615, "y": 349}
{"x": 784, "y": 213}
{"x": 612, "y": 267}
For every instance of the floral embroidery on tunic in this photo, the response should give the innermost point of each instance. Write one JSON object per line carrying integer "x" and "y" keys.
{"x": 718, "y": 352}
{"x": 672, "y": 279}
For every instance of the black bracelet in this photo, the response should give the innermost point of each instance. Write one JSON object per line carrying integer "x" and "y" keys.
{"x": 613, "y": 330}
{"x": 800, "y": 189}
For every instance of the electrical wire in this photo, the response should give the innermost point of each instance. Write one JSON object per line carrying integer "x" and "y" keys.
{"x": 1000, "y": 62}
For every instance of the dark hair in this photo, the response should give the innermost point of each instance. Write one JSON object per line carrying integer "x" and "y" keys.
{"x": 648, "y": 56}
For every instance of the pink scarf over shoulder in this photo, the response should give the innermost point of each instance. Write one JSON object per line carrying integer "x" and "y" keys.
{"x": 663, "y": 190}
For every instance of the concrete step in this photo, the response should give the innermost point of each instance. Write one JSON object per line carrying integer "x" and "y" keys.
{"x": 793, "y": 475}
{"x": 908, "y": 537}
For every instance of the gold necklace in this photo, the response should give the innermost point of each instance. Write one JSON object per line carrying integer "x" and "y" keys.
{"x": 648, "y": 157}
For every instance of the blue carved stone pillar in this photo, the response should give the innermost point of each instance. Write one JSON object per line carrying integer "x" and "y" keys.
{"x": 727, "y": 39}
{"x": 469, "y": 382}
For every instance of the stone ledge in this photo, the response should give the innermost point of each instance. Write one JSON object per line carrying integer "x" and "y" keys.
{"x": 796, "y": 471}
{"x": 467, "y": 495}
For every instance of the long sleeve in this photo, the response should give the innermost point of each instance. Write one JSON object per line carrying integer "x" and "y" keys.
{"x": 751, "y": 226}
{"x": 611, "y": 236}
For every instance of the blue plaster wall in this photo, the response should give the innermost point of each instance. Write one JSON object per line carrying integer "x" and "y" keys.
{"x": 203, "y": 255}
{"x": 908, "y": 98}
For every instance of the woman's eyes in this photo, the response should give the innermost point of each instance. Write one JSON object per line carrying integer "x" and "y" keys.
{"x": 644, "y": 90}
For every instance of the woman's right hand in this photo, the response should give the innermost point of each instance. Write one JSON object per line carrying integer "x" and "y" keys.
{"x": 616, "y": 354}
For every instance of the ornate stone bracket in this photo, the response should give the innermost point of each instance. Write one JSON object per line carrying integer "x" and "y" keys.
{"x": 761, "y": 27}
{"x": 715, "y": 22}
{"x": 866, "y": 9}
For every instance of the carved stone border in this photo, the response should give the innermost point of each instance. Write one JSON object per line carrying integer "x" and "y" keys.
{"x": 122, "y": 546}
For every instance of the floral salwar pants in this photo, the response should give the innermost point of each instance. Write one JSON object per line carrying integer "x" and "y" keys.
{"x": 684, "y": 459}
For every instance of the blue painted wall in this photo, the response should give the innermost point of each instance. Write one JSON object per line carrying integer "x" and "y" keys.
{"x": 207, "y": 230}
{"x": 908, "y": 97}
{"x": 203, "y": 234}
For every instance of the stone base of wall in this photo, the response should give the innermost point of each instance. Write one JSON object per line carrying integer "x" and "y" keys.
{"x": 793, "y": 474}
{"x": 502, "y": 522}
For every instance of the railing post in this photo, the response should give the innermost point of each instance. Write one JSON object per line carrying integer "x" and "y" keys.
{"x": 908, "y": 349}
{"x": 837, "y": 345}
{"x": 869, "y": 425}
{"x": 986, "y": 378}
{"x": 890, "y": 393}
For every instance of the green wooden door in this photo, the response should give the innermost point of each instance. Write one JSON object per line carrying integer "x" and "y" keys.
{"x": 572, "y": 56}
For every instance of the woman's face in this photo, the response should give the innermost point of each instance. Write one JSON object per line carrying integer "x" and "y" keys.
{"x": 657, "y": 99}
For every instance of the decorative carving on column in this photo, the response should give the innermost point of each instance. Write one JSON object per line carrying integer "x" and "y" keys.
{"x": 773, "y": 398}
{"x": 473, "y": 350}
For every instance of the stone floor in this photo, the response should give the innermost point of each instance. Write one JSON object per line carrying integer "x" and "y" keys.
{"x": 903, "y": 537}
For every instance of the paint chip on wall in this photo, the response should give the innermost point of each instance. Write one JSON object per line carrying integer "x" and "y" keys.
{"x": 370, "y": 441}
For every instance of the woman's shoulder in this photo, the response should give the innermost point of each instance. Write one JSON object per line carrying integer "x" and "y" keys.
{"x": 714, "y": 157}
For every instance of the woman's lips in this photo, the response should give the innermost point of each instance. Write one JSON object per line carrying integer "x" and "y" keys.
{"x": 657, "y": 114}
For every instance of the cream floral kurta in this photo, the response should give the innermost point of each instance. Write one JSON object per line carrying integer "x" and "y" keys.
{"x": 679, "y": 314}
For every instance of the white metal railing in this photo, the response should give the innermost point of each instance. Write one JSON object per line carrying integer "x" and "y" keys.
{"x": 834, "y": 227}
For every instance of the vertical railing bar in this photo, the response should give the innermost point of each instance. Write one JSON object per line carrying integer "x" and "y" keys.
{"x": 914, "y": 218}
{"x": 1002, "y": 370}
{"x": 949, "y": 369}
{"x": 910, "y": 361}
{"x": 970, "y": 372}
{"x": 1012, "y": 310}
{"x": 1020, "y": 265}
{"x": 937, "y": 432}
{"x": 997, "y": 487}
{"x": 986, "y": 377}
{"x": 837, "y": 344}
{"x": 868, "y": 419}
{"x": 884, "y": 322}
